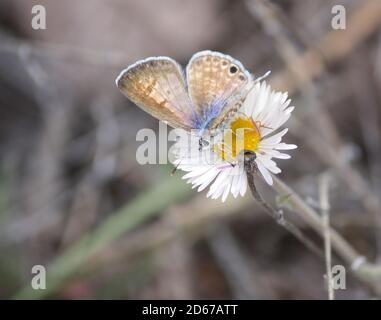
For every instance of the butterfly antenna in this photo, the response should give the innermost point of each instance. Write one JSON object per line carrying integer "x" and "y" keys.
{"x": 175, "y": 168}
{"x": 262, "y": 77}
{"x": 253, "y": 83}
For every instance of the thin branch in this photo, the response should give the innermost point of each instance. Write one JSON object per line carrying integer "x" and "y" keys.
{"x": 367, "y": 272}
{"x": 324, "y": 208}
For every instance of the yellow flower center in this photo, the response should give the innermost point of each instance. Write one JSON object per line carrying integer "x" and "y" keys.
{"x": 242, "y": 134}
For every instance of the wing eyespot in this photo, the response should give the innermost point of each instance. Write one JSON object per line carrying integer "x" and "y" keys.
{"x": 233, "y": 69}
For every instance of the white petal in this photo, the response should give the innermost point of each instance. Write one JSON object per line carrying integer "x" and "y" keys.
{"x": 218, "y": 185}
{"x": 207, "y": 179}
{"x": 271, "y": 109}
{"x": 285, "y": 146}
{"x": 196, "y": 172}
{"x": 266, "y": 175}
{"x": 235, "y": 183}
{"x": 274, "y": 153}
{"x": 243, "y": 184}
{"x": 274, "y": 139}
{"x": 226, "y": 192}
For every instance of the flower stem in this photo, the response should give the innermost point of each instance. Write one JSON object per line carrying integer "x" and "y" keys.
{"x": 251, "y": 170}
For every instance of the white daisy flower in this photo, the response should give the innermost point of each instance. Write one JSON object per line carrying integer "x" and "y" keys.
{"x": 253, "y": 128}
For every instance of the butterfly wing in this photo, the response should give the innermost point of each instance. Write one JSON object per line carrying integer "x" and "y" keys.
{"x": 157, "y": 86}
{"x": 216, "y": 82}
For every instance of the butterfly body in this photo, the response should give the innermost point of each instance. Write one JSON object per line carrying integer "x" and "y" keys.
{"x": 211, "y": 90}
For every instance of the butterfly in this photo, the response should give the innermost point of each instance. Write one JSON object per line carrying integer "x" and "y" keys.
{"x": 202, "y": 98}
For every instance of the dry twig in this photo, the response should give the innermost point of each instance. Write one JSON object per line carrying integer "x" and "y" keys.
{"x": 324, "y": 208}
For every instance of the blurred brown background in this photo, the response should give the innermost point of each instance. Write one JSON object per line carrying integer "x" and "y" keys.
{"x": 68, "y": 150}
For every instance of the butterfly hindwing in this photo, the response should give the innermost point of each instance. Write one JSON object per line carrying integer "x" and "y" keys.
{"x": 216, "y": 82}
{"x": 157, "y": 86}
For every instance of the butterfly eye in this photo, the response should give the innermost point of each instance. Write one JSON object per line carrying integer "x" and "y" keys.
{"x": 233, "y": 69}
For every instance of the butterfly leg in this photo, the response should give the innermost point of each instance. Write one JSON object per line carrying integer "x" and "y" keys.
{"x": 202, "y": 143}
{"x": 259, "y": 125}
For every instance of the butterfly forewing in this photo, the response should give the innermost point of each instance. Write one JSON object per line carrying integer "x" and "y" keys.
{"x": 216, "y": 82}
{"x": 158, "y": 87}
